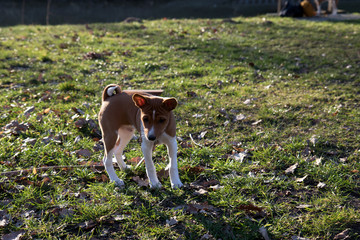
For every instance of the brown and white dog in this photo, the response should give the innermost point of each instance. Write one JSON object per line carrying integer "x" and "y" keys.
{"x": 121, "y": 113}
{"x": 333, "y": 4}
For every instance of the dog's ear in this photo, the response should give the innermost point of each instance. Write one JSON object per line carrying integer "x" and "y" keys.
{"x": 139, "y": 100}
{"x": 169, "y": 104}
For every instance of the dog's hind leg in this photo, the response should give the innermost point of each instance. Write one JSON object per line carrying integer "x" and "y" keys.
{"x": 125, "y": 134}
{"x": 109, "y": 142}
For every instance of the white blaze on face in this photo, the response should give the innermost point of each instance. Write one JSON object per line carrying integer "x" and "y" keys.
{"x": 152, "y": 130}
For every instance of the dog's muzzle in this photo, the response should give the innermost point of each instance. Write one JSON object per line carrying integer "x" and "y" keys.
{"x": 151, "y": 137}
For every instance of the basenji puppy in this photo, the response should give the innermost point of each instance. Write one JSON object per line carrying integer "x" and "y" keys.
{"x": 121, "y": 113}
{"x": 333, "y": 3}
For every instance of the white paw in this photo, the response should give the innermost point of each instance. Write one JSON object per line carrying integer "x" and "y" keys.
{"x": 118, "y": 182}
{"x": 177, "y": 184}
{"x": 155, "y": 185}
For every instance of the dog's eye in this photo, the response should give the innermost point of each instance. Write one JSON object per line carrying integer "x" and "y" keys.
{"x": 162, "y": 120}
{"x": 145, "y": 119}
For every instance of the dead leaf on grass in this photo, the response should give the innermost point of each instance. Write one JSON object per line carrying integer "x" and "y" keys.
{"x": 249, "y": 207}
{"x": 191, "y": 94}
{"x": 141, "y": 182}
{"x": 46, "y": 180}
{"x": 240, "y": 117}
{"x": 300, "y": 180}
{"x": 343, "y": 160}
{"x": 318, "y": 161}
{"x": 216, "y": 187}
{"x": 95, "y": 55}
{"x": 4, "y": 218}
{"x": 194, "y": 208}
{"x": 206, "y": 236}
{"x": 172, "y": 221}
{"x": 256, "y": 123}
{"x": 87, "y": 225}
{"x": 200, "y": 192}
{"x": 14, "y": 235}
{"x": 83, "y": 153}
{"x": 80, "y": 123}
{"x": 15, "y": 128}
{"x": 28, "y": 111}
{"x": 194, "y": 170}
{"x": 304, "y": 206}
{"x": 240, "y": 156}
{"x": 202, "y": 135}
{"x": 299, "y": 238}
{"x": 203, "y": 183}
{"x": 314, "y": 140}
{"x": 291, "y": 169}
{"x": 134, "y": 160}
{"x": 78, "y": 111}
{"x": 343, "y": 235}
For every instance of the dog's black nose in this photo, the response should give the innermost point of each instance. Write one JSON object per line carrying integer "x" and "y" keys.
{"x": 151, "y": 137}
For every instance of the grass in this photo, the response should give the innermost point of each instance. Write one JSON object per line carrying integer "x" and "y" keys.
{"x": 258, "y": 96}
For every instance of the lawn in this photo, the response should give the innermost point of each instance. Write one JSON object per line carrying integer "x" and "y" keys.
{"x": 268, "y": 127}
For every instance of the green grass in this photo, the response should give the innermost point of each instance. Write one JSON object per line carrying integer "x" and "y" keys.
{"x": 296, "y": 84}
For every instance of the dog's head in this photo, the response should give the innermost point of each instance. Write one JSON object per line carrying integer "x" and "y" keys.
{"x": 155, "y": 114}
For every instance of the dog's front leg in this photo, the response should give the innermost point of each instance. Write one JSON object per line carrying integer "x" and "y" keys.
{"x": 147, "y": 148}
{"x": 171, "y": 144}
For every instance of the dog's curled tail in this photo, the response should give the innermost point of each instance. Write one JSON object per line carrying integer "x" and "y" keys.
{"x": 110, "y": 90}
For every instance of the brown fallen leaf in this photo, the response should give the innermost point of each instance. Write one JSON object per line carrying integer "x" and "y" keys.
{"x": 191, "y": 94}
{"x": 80, "y": 123}
{"x": 83, "y": 153}
{"x": 249, "y": 207}
{"x": 102, "y": 178}
{"x": 141, "y": 182}
{"x": 194, "y": 208}
{"x": 78, "y": 111}
{"x": 194, "y": 170}
{"x": 46, "y": 180}
{"x": 134, "y": 160}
